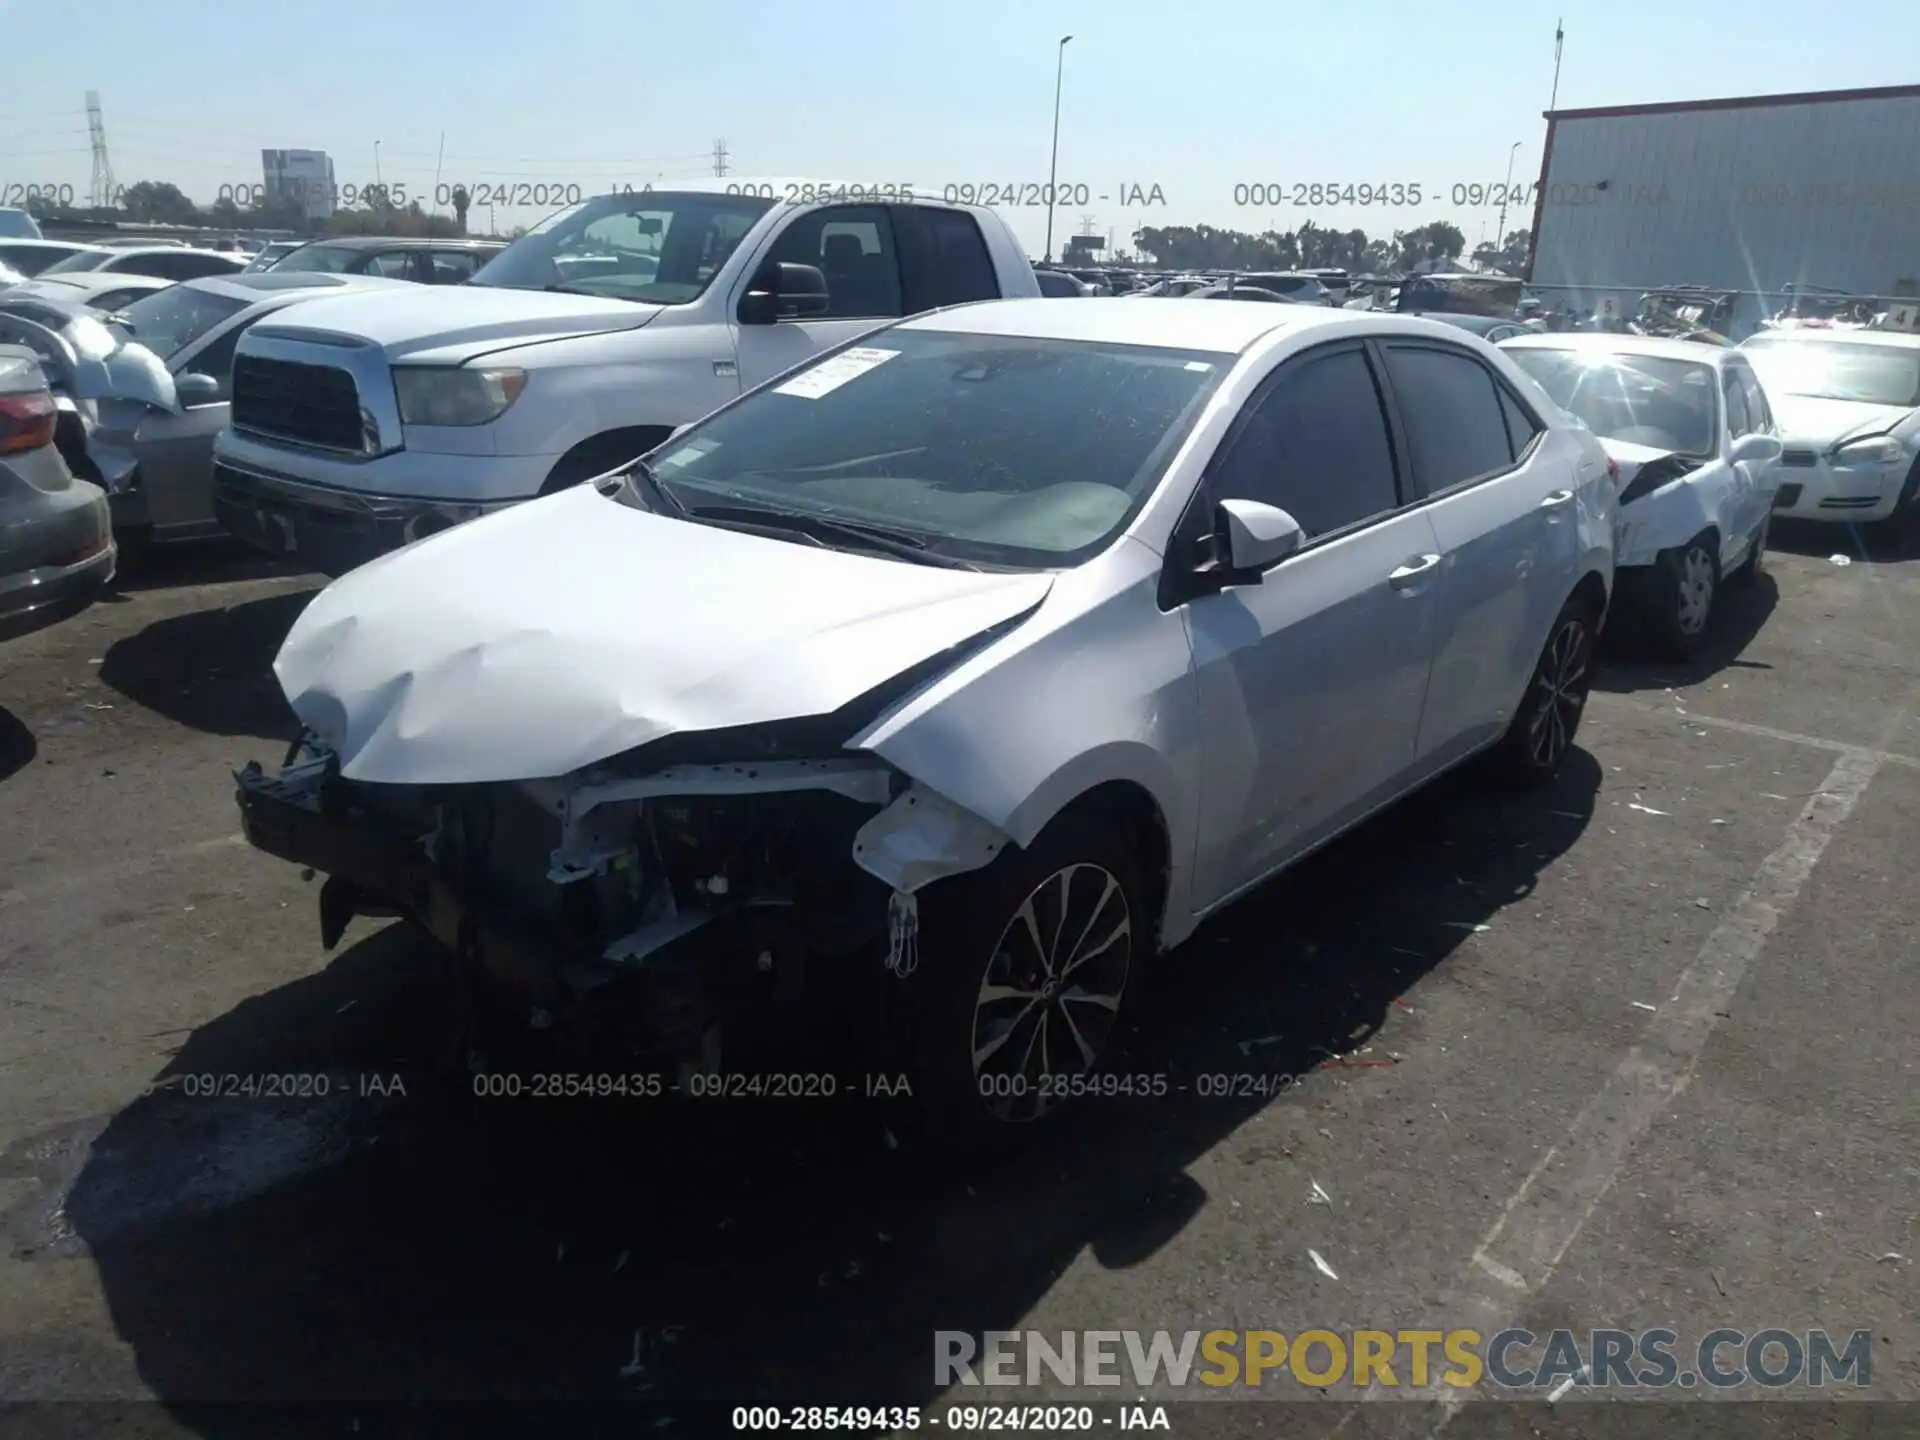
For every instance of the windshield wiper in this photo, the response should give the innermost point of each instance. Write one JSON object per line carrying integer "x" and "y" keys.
{"x": 642, "y": 470}
{"x": 828, "y": 528}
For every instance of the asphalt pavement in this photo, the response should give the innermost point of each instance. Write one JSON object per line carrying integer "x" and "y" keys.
{"x": 1635, "y": 1052}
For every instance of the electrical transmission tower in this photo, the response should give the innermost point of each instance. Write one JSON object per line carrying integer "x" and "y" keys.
{"x": 103, "y": 196}
{"x": 719, "y": 157}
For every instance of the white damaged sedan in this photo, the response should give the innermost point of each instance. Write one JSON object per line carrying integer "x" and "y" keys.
{"x": 970, "y": 666}
{"x": 1692, "y": 433}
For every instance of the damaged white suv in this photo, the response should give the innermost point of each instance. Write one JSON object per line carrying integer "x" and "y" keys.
{"x": 974, "y": 663}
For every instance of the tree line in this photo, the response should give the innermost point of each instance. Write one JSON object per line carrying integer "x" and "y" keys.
{"x": 159, "y": 202}
{"x": 1203, "y": 247}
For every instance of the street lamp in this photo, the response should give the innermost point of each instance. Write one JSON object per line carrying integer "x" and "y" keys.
{"x": 1053, "y": 166}
{"x": 1500, "y": 239}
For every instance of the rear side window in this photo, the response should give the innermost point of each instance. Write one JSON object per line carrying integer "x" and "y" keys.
{"x": 1739, "y": 422}
{"x": 1456, "y": 425}
{"x": 944, "y": 260}
{"x": 1759, "y": 413}
{"x": 1521, "y": 427}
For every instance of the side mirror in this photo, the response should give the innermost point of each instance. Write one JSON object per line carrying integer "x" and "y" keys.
{"x": 195, "y": 388}
{"x": 1755, "y": 448}
{"x": 784, "y": 291}
{"x": 1250, "y": 536}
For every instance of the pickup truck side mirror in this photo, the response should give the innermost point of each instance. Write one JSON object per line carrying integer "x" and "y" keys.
{"x": 196, "y": 388}
{"x": 1250, "y": 536}
{"x": 784, "y": 291}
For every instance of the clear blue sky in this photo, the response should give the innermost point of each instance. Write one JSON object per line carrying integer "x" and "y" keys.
{"x": 597, "y": 92}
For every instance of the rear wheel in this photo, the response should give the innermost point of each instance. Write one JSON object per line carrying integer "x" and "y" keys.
{"x": 1541, "y": 733}
{"x": 1021, "y": 991}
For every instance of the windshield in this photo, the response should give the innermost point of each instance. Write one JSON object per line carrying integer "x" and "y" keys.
{"x": 1638, "y": 399}
{"x": 169, "y": 320}
{"x": 1867, "y": 374}
{"x": 79, "y": 260}
{"x": 329, "y": 259}
{"x": 1010, "y": 451}
{"x": 660, "y": 247}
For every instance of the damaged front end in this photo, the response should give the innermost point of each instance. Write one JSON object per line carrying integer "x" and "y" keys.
{"x": 632, "y": 909}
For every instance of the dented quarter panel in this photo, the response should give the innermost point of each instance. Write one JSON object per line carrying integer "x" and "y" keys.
{"x": 557, "y": 634}
{"x": 1097, "y": 687}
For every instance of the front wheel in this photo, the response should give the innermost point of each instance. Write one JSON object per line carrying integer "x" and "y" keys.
{"x": 1022, "y": 985}
{"x": 1542, "y": 730}
{"x": 1686, "y": 586}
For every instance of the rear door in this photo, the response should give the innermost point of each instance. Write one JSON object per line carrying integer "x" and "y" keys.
{"x": 854, "y": 247}
{"x": 943, "y": 258}
{"x": 1762, "y": 477}
{"x": 1505, "y": 514}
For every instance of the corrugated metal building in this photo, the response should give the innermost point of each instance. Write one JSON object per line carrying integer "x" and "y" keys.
{"x": 1756, "y": 193}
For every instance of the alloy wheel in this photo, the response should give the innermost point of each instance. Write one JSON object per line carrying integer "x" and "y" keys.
{"x": 1051, "y": 994}
{"x": 1560, "y": 693}
{"x": 1694, "y": 591}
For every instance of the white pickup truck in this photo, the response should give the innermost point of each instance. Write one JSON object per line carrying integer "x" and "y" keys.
{"x": 360, "y": 424}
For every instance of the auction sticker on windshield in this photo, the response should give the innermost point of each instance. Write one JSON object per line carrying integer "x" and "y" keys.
{"x": 830, "y": 375}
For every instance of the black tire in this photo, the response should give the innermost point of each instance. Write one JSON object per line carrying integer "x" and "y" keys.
{"x": 1749, "y": 569}
{"x": 973, "y": 928}
{"x": 1543, "y": 727}
{"x": 1686, "y": 591}
{"x": 1902, "y": 527}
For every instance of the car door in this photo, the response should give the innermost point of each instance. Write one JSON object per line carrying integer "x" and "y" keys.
{"x": 1733, "y": 491}
{"x": 1311, "y": 681}
{"x": 1505, "y": 514}
{"x": 1762, "y": 475}
{"x": 854, "y": 247}
{"x": 176, "y": 451}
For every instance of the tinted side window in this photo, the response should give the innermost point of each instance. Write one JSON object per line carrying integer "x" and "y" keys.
{"x": 450, "y": 267}
{"x": 1521, "y": 427}
{"x": 943, "y": 259}
{"x": 1315, "y": 445}
{"x": 1455, "y": 425}
{"x": 388, "y": 264}
{"x": 1739, "y": 422}
{"x": 217, "y": 359}
{"x": 853, "y": 247}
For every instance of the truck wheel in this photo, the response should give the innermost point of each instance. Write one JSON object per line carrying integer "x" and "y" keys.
{"x": 598, "y": 454}
{"x": 1542, "y": 730}
{"x": 1020, "y": 994}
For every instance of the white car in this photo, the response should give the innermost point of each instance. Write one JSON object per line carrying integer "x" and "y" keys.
{"x": 974, "y": 663}
{"x": 108, "y": 291}
{"x": 1692, "y": 432}
{"x": 1849, "y": 408}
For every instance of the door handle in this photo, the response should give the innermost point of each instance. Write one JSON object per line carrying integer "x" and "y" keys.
{"x": 1555, "y": 500}
{"x": 1409, "y": 574}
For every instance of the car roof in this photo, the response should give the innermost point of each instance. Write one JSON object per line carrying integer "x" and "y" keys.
{"x": 1655, "y": 346}
{"x": 371, "y": 242}
{"x": 1220, "y": 327}
{"x": 90, "y": 280}
{"x": 118, "y": 250}
{"x": 31, "y": 243}
{"x": 265, "y": 284}
{"x": 1900, "y": 338}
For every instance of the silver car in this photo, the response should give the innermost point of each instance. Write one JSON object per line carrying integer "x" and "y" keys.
{"x": 56, "y": 541}
{"x": 150, "y": 383}
{"x": 975, "y": 662}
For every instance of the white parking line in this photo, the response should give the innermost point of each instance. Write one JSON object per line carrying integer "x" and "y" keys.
{"x": 1767, "y": 732}
{"x": 1545, "y": 1215}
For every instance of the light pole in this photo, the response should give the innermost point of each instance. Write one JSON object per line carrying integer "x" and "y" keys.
{"x": 1500, "y": 235}
{"x": 379, "y": 185}
{"x": 1053, "y": 166}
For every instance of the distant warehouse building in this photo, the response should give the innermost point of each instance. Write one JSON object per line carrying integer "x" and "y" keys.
{"x": 1751, "y": 194}
{"x": 303, "y": 176}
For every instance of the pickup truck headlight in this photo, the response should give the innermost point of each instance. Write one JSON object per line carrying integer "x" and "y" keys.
{"x": 1875, "y": 450}
{"x": 432, "y": 395}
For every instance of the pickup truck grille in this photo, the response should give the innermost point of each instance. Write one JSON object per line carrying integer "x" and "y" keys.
{"x": 307, "y": 404}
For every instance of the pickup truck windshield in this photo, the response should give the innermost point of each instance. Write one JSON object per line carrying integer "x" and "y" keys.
{"x": 1014, "y": 452}
{"x": 662, "y": 247}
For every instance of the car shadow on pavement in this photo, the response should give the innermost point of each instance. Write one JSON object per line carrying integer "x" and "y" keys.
{"x": 211, "y": 670}
{"x": 1858, "y": 543}
{"x": 375, "y": 1249}
{"x": 1629, "y": 662}
{"x": 200, "y": 562}
{"x": 17, "y": 745}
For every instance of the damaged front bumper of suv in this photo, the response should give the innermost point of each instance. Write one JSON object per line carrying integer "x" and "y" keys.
{"x": 631, "y": 913}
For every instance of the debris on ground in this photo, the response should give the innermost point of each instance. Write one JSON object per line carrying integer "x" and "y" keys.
{"x": 1320, "y": 1264}
{"x": 1578, "y": 1377}
{"x": 1319, "y": 1196}
{"x": 1892, "y": 1257}
{"x": 1839, "y": 559}
{"x": 1644, "y": 809}
{"x": 1643, "y": 1005}
{"x": 621, "y": 1263}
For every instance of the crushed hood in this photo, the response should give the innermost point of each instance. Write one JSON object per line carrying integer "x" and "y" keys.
{"x": 1809, "y": 423}
{"x": 453, "y": 323}
{"x": 104, "y": 363}
{"x": 1632, "y": 458}
{"x": 567, "y": 630}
